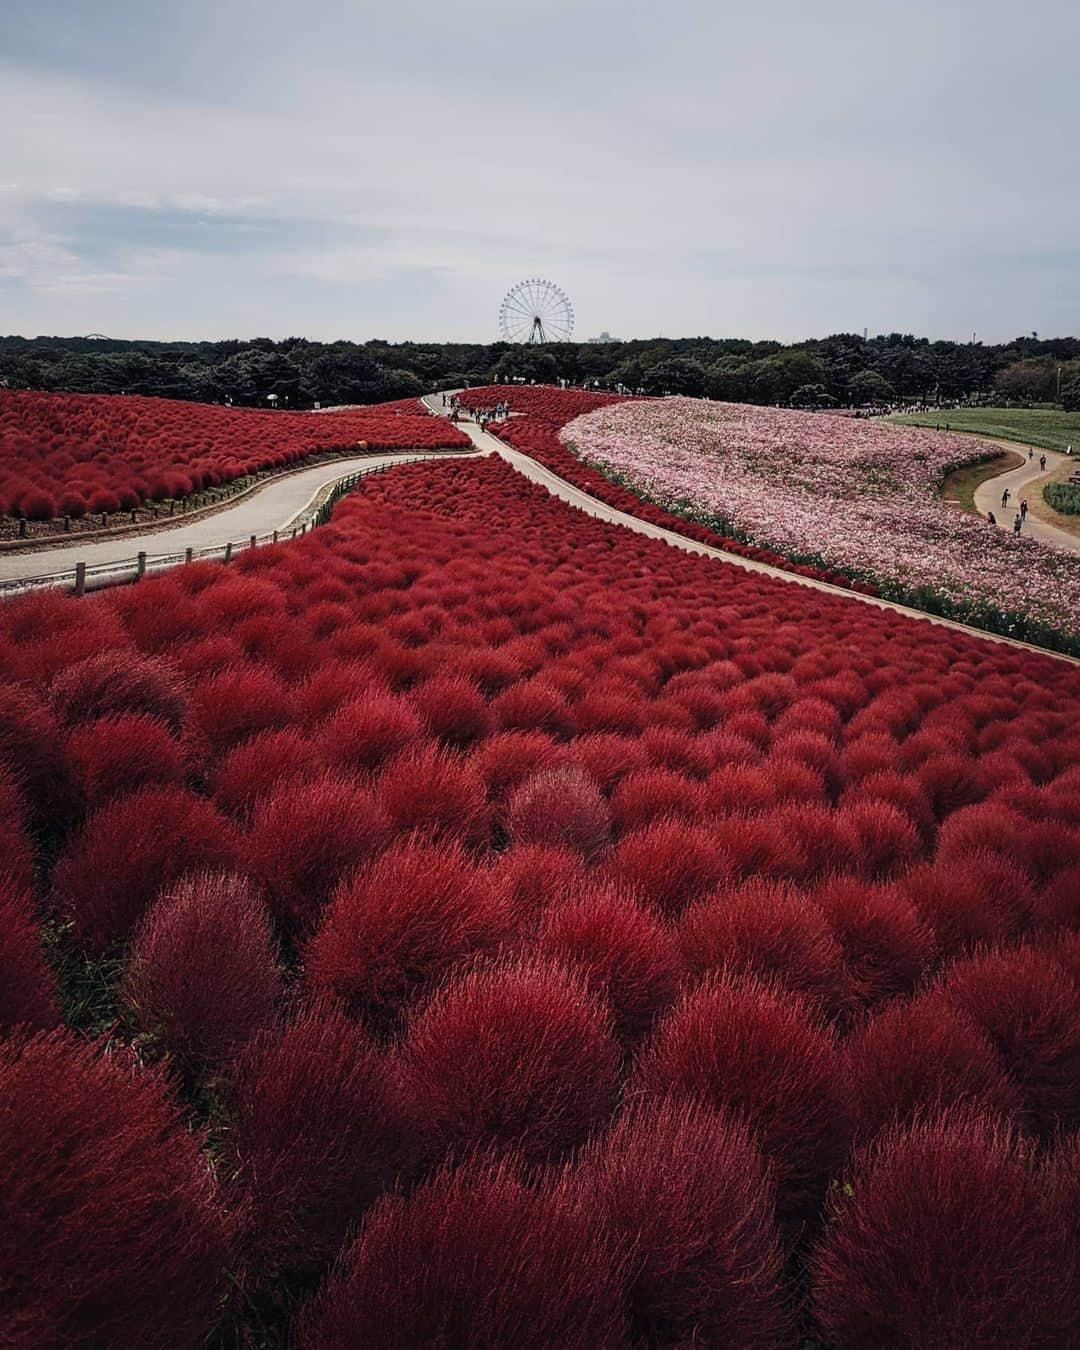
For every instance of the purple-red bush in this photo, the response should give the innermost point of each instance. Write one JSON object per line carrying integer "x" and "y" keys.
{"x": 887, "y": 946}
{"x": 533, "y": 705}
{"x": 476, "y": 1257}
{"x": 261, "y": 764}
{"x": 538, "y": 875}
{"x": 393, "y": 930}
{"x": 453, "y": 709}
{"x": 517, "y": 1055}
{"x": 16, "y": 850}
{"x": 968, "y": 899}
{"x": 506, "y": 759}
{"x": 924, "y": 1054}
{"x": 27, "y": 985}
{"x": 644, "y": 796}
{"x": 743, "y": 1045}
{"x": 1029, "y": 1007}
{"x": 945, "y": 1237}
{"x": 30, "y": 749}
{"x": 112, "y": 756}
{"x": 366, "y": 732}
{"x": 607, "y": 758}
{"x": 305, "y": 837}
{"x": 99, "y": 1179}
{"x": 315, "y": 1139}
{"x": 685, "y": 1191}
{"x": 129, "y": 850}
{"x": 560, "y": 807}
{"x": 202, "y": 975}
{"x": 114, "y": 683}
{"x": 771, "y": 930}
{"x": 668, "y": 865}
{"x": 432, "y": 791}
{"x": 627, "y": 956}
{"x": 240, "y": 700}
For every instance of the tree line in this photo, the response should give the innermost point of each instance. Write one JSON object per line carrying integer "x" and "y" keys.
{"x": 842, "y": 370}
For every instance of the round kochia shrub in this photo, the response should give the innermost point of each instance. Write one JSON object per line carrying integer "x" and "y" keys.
{"x": 560, "y": 806}
{"x": 304, "y": 837}
{"x": 684, "y": 1190}
{"x": 515, "y": 1055}
{"x": 115, "y": 755}
{"x": 740, "y": 1044}
{"x": 476, "y": 1258}
{"x": 432, "y": 791}
{"x": 946, "y": 1237}
{"x": 98, "y": 1180}
{"x": 115, "y": 683}
{"x": 129, "y": 850}
{"x": 397, "y": 927}
{"x": 315, "y": 1139}
{"x": 203, "y": 973}
{"x": 624, "y": 952}
{"x": 668, "y": 865}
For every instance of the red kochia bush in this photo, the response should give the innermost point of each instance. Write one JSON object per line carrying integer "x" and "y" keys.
{"x": 769, "y": 930}
{"x": 1030, "y": 1008}
{"x": 129, "y": 850}
{"x": 740, "y": 1044}
{"x": 685, "y": 1191}
{"x": 968, "y": 899}
{"x": 99, "y": 1179}
{"x": 398, "y": 926}
{"x": 538, "y": 875}
{"x": 453, "y": 708}
{"x": 259, "y": 765}
{"x": 16, "y": 850}
{"x": 30, "y": 749}
{"x": 519, "y": 1055}
{"x": 885, "y": 944}
{"x": 244, "y": 698}
{"x": 27, "y": 985}
{"x": 945, "y": 1238}
{"x": 116, "y": 755}
{"x": 668, "y": 865}
{"x": 369, "y": 730}
{"x": 432, "y": 791}
{"x": 560, "y": 806}
{"x": 203, "y": 973}
{"x": 305, "y": 837}
{"x": 475, "y": 1258}
{"x": 117, "y": 682}
{"x": 924, "y": 1054}
{"x": 625, "y": 953}
{"x": 315, "y": 1138}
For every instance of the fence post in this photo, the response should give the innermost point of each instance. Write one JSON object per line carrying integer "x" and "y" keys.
{"x": 80, "y": 578}
{"x": 275, "y": 536}
{"x": 142, "y": 565}
{"x": 189, "y": 553}
{"x": 228, "y": 551}
{"x": 253, "y": 541}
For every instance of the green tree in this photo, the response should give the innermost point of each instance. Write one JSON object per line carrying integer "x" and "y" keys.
{"x": 869, "y": 387}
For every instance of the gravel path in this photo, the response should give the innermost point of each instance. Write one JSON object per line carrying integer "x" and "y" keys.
{"x": 1025, "y": 482}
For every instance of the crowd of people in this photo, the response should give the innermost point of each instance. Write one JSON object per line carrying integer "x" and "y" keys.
{"x": 481, "y": 416}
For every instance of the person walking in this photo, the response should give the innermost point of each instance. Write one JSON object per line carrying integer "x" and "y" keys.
{"x": 1023, "y": 509}
{"x": 1030, "y": 453}
{"x": 1005, "y": 497}
{"x": 1042, "y": 463}
{"x": 991, "y": 519}
{"x": 1017, "y": 523}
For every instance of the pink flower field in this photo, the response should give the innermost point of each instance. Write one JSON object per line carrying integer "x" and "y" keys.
{"x": 856, "y": 495}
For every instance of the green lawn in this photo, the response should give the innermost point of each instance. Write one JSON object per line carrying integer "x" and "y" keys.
{"x": 1031, "y": 426}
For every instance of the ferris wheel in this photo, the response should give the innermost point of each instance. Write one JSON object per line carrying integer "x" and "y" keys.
{"x": 536, "y": 311}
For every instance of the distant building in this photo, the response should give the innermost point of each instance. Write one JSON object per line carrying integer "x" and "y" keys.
{"x": 605, "y": 336}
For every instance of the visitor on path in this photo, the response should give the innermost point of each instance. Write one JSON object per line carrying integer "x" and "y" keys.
{"x": 1005, "y": 497}
{"x": 1030, "y": 453}
{"x": 1017, "y": 523}
{"x": 991, "y": 519}
{"x": 1023, "y": 509}
{"x": 1042, "y": 462}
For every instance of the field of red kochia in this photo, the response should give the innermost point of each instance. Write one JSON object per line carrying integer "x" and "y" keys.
{"x": 67, "y": 454}
{"x": 477, "y": 925}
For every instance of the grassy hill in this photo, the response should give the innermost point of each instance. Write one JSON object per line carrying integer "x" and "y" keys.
{"x": 1050, "y": 430}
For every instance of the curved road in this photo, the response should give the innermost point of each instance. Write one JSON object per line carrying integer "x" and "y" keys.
{"x": 277, "y": 505}
{"x": 988, "y": 495}
{"x": 559, "y": 487}
{"x": 273, "y": 507}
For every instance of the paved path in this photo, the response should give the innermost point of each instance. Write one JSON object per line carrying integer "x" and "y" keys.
{"x": 1025, "y": 482}
{"x": 273, "y": 507}
{"x": 535, "y": 471}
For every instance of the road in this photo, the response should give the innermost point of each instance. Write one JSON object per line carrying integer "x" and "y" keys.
{"x": 1023, "y": 482}
{"x": 535, "y": 471}
{"x": 272, "y": 507}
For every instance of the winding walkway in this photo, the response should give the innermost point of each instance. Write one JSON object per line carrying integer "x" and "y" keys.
{"x": 592, "y": 506}
{"x": 274, "y": 506}
{"x": 1029, "y": 475}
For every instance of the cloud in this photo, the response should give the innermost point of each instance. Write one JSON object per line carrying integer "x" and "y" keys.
{"x": 693, "y": 170}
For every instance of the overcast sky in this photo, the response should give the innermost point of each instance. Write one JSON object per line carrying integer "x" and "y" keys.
{"x": 336, "y": 168}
